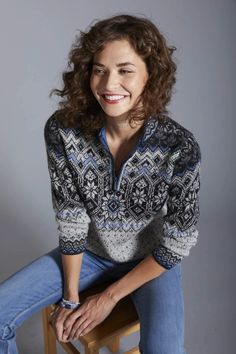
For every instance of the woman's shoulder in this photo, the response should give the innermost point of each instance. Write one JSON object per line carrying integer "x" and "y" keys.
{"x": 57, "y": 136}
{"x": 51, "y": 133}
{"x": 55, "y": 128}
{"x": 180, "y": 141}
{"x": 51, "y": 129}
{"x": 179, "y": 135}
{"x": 53, "y": 124}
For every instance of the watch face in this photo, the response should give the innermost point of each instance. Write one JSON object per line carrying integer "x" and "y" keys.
{"x": 67, "y": 306}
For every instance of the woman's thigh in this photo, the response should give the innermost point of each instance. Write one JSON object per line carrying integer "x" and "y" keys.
{"x": 160, "y": 307}
{"x": 40, "y": 283}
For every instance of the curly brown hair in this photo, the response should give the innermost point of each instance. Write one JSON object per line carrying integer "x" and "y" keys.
{"x": 79, "y": 108}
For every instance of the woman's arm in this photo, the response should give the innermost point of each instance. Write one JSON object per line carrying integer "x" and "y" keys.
{"x": 71, "y": 270}
{"x": 143, "y": 272}
{"x": 70, "y": 213}
{"x": 71, "y": 216}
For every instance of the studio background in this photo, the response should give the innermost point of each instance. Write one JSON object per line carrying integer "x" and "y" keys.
{"x": 35, "y": 38}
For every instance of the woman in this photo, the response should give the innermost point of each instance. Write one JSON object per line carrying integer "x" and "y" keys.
{"x": 125, "y": 183}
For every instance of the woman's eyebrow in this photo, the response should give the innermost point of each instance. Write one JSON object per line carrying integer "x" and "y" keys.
{"x": 118, "y": 65}
{"x": 124, "y": 64}
{"x": 98, "y": 64}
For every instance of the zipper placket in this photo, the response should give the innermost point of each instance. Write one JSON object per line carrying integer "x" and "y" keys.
{"x": 113, "y": 179}
{"x": 116, "y": 181}
{"x": 118, "y": 178}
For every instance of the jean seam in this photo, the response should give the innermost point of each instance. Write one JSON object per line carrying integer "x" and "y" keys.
{"x": 6, "y": 347}
{"x": 36, "y": 303}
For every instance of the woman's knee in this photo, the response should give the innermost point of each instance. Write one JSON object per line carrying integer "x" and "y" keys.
{"x": 7, "y": 332}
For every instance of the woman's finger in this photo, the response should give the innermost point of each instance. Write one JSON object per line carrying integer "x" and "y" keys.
{"x": 70, "y": 321}
{"x": 53, "y": 314}
{"x": 85, "y": 327}
{"x": 65, "y": 337}
{"x": 77, "y": 325}
{"x": 59, "y": 329}
{"x": 58, "y": 323}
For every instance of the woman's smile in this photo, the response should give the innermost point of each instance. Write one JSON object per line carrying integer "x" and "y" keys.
{"x": 113, "y": 99}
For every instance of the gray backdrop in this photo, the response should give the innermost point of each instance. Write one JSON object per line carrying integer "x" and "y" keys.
{"x": 35, "y": 39}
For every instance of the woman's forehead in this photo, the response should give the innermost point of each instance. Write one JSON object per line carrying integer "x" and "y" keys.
{"x": 120, "y": 51}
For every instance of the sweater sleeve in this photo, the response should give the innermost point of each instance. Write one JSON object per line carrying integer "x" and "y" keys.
{"x": 179, "y": 232}
{"x": 70, "y": 214}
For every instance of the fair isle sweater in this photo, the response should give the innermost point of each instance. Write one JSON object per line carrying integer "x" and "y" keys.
{"x": 151, "y": 207}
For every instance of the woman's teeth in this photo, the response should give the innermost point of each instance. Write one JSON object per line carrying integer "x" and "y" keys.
{"x": 114, "y": 97}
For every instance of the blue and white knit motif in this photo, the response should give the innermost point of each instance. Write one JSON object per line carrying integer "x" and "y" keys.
{"x": 151, "y": 207}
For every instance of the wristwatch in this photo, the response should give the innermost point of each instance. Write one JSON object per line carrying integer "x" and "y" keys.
{"x": 70, "y": 305}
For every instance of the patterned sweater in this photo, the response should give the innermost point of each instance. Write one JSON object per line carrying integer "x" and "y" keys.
{"x": 151, "y": 207}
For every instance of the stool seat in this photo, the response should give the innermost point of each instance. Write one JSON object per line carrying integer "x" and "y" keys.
{"x": 122, "y": 321}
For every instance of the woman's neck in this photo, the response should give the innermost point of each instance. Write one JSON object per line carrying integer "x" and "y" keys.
{"x": 120, "y": 130}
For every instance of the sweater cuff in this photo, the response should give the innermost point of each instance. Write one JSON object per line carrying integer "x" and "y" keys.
{"x": 165, "y": 257}
{"x": 70, "y": 247}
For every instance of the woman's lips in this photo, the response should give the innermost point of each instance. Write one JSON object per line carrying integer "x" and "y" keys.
{"x": 113, "y": 99}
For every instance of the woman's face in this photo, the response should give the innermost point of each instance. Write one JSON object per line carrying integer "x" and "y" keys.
{"x": 118, "y": 78}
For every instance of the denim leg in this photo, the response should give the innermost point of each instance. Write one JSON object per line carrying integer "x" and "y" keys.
{"x": 160, "y": 308}
{"x": 159, "y": 303}
{"x": 38, "y": 285}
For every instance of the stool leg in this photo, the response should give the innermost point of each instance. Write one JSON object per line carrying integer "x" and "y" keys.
{"x": 114, "y": 345}
{"x": 49, "y": 336}
{"x": 91, "y": 351}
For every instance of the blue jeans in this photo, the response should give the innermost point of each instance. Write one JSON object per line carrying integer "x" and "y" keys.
{"x": 159, "y": 302}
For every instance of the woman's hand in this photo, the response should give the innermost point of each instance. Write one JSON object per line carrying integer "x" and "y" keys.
{"x": 92, "y": 312}
{"x": 57, "y": 320}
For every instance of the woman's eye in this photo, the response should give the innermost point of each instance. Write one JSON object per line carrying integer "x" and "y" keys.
{"x": 125, "y": 71}
{"x": 98, "y": 71}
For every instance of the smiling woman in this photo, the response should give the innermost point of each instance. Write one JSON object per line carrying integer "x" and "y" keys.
{"x": 125, "y": 180}
{"x": 144, "y": 43}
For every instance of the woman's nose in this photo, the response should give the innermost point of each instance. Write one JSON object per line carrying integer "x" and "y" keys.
{"x": 111, "y": 81}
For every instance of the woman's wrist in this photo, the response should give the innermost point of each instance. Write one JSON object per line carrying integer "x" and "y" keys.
{"x": 111, "y": 293}
{"x": 71, "y": 296}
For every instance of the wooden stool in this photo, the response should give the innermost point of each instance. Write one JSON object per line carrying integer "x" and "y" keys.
{"x": 122, "y": 321}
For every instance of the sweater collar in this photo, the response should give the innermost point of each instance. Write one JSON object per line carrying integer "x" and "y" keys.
{"x": 149, "y": 128}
